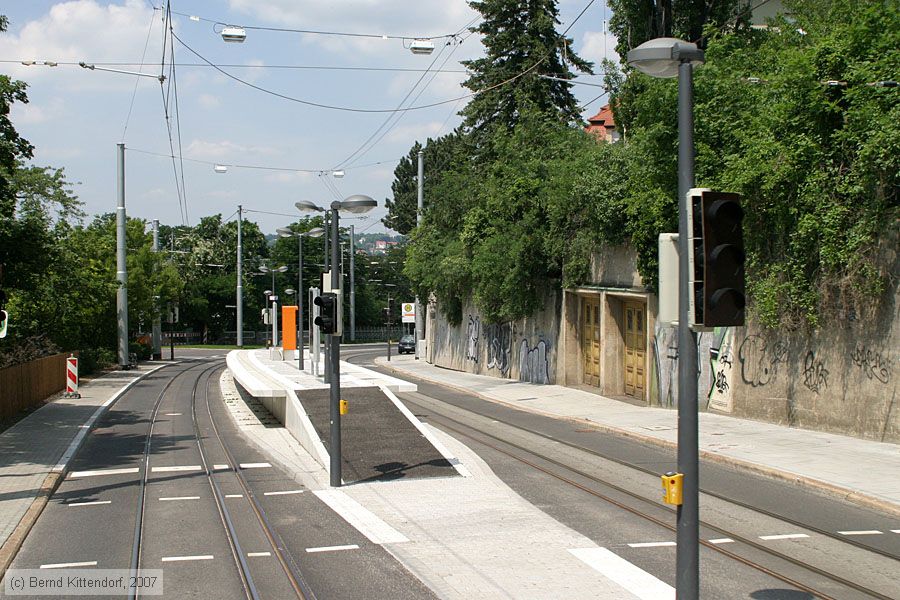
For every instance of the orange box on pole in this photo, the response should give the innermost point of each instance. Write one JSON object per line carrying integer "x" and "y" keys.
{"x": 289, "y": 327}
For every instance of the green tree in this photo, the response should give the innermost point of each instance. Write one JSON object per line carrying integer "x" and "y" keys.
{"x": 522, "y": 46}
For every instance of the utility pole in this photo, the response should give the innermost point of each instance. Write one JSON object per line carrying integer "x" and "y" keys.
{"x": 121, "y": 269}
{"x": 156, "y": 335}
{"x": 240, "y": 282}
{"x": 326, "y": 375}
{"x": 334, "y": 365}
{"x": 352, "y": 284}
{"x": 420, "y": 321}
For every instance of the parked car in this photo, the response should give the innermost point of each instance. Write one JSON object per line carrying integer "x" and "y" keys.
{"x": 406, "y": 344}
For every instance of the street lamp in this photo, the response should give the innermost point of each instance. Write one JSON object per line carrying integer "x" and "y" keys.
{"x": 670, "y": 57}
{"x": 356, "y": 204}
{"x": 285, "y": 233}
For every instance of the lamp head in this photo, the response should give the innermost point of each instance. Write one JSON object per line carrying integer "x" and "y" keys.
{"x": 315, "y": 232}
{"x": 285, "y": 232}
{"x": 357, "y": 203}
{"x": 660, "y": 57}
{"x": 307, "y": 206}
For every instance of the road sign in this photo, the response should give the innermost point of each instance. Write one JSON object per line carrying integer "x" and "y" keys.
{"x": 409, "y": 312}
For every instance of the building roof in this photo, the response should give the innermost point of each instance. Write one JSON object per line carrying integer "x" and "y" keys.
{"x": 604, "y": 118}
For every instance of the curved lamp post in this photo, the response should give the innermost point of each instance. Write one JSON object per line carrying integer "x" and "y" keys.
{"x": 670, "y": 57}
{"x": 356, "y": 204}
{"x": 286, "y": 233}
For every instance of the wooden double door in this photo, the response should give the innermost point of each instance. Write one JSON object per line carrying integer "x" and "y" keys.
{"x": 635, "y": 348}
{"x": 590, "y": 340}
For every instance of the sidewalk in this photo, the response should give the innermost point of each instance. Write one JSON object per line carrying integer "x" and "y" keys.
{"x": 824, "y": 461}
{"x": 35, "y": 451}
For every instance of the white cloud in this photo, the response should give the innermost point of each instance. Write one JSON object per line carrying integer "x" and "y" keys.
{"x": 411, "y": 133}
{"x": 81, "y": 30}
{"x": 287, "y": 176}
{"x": 208, "y": 101}
{"x": 208, "y": 150}
{"x": 31, "y": 114}
{"x": 596, "y": 45}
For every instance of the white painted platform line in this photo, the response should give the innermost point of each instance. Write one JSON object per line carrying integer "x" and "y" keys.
{"x": 862, "y": 532}
{"x": 100, "y": 472}
{"x": 284, "y": 493}
{"x": 90, "y": 563}
{"x": 651, "y": 544}
{"x": 92, "y": 503}
{"x": 176, "y": 469}
{"x": 333, "y": 548}
{"x": 179, "y": 498}
{"x": 721, "y": 541}
{"x": 255, "y": 465}
{"x": 618, "y": 570}
{"x": 357, "y": 515}
{"x": 184, "y": 558}
{"x": 259, "y": 554}
{"x": 786, "y": 536}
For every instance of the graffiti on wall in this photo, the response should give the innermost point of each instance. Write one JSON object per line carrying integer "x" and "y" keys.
{"x": 665, "y": 352}
{"x": 815, "y": 375}
{"x": 721, "y": 355}
{"x": 499, "y": 346}
{"x": 873, "y": 363}
{"x": 760, "y": 359}
{"x": 473, "y": 329}
{"x": 533, "y": 362}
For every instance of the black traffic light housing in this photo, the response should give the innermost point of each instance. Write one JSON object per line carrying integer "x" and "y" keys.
{"x": 329, "y": 319}
{"x": 717, "y": 259}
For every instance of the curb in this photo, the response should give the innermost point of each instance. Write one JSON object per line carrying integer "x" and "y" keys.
{"x": 13, "y": 543}
{"x": 824, "y": 487}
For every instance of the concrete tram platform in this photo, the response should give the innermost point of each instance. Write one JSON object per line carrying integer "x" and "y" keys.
{"x": 381, "y": 439}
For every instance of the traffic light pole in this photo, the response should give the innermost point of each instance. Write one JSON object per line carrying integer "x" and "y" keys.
{"x": 687, "y": 560}
{"x": 335, "y": 352}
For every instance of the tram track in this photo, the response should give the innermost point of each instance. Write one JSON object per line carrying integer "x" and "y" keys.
{"x": 503, "y": 447}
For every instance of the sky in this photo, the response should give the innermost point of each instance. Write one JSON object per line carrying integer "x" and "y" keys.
{"x": 76, "y": 117}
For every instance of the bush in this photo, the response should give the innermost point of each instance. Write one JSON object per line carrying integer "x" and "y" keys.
{"x": 94, "y": 359}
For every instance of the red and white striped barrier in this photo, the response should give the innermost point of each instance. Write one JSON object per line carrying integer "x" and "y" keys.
{"x": 72, "y": 377}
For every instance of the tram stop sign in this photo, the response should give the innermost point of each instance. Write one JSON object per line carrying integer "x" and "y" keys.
{"x": 409, "y": 312}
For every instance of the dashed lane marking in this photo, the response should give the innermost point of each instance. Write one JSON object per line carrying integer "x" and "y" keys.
{"x": 234, "y": 495}
{"x": 99, "y": 472}
{"x": 862, "y": 532}
{"x": 785, "y": 536}
{"x": 284, "y": 493}
{"x": 172, "y": 414}
{"x": 259, "y": 554}
{"x": 176, "y": 469}
{"x": 179, "y": 498}
{"x": 260, "y": 465}
{"x": 721, "y": 541}
{"x": 333, "y": 548}
{"x": 92, "y": 503}
{"x": 895, "y": 530}
{"x": 625, "y": 574}
{"x": 184, "y": 558}
{"x": 651, "y": 544}
{"x": 220, "y": 467}
{"x": 90, "y": 563}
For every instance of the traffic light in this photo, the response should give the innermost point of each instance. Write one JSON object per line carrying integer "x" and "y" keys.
{"x": 329, "y": 319}
{"x": 717, "y": 259}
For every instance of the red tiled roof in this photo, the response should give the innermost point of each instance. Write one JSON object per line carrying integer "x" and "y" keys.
{"x": 603, "y": 118}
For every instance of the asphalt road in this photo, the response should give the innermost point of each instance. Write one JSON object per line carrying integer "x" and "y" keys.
{"x": 128, "y": 499}
{"x": 745, "y": 505}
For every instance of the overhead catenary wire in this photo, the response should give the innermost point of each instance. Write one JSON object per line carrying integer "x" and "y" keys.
{"x": 178, "y": 122}
{"x": 165, "y": 91}
{"x": 137, "y": 80}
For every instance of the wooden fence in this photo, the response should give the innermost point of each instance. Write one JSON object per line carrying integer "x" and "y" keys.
{"x": 27, "y": 385}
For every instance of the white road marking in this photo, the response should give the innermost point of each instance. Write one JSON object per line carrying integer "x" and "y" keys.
{"x": 721, "y": 541}
{"x": 220, "y": 467}
{"x": 234, "y": 495}
{"x": 285, "y": 492}
{"x": 255, "y": 465}
{"x": 333, "y": 548}
{"x": 182, "y": 558}
{"x": 651, "y": 544}
{"x": 91, "y": 563}
{"x": 179, "y": 468}
{"x": 259, "y": 554}
{"x": 357, "y": 515}
{"x": 172, "y": 414}
{"x": 98, "y": 472}
{"x": 180, "y": 498}
{"x": 786, "y": 536}
{"x": 895, "y": 530}
{"x": 93, "y": 503}
{"x": 862, "y": 532}
{"x": 634, "y": 579}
